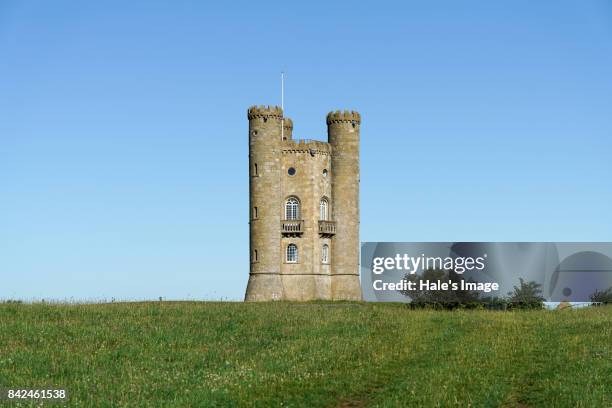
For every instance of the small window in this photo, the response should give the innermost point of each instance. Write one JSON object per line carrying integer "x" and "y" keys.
{"x": 255, "y": 256}
{"x": 255, "y": 171}
{"x": 325, "y": 254}
{"x": 292, "y": 253}
{"x": 291, "y": 171}
{"x": 324, "y": 209}
{"x": 255, "y": 213}
{"x": 292, "y": 209}
{"x": 324, "y": 172}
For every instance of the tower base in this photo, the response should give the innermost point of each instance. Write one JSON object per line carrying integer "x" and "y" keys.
{"x": 263, "y": 288}
{"x": 300, "y": 288}
{"x": 346, "y": 287}
{"x": 303, "y": 288}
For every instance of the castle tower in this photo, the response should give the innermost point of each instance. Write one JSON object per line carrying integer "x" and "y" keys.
{"x": 264, "y": 203}
{"x": 343, "y": 136}
{"x": 304, "y": 209}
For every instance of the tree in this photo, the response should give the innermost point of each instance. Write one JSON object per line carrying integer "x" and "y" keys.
{"x": 602, "y": 296}
{"x": 446, "y": 299}
{"x": 528, "y": 295}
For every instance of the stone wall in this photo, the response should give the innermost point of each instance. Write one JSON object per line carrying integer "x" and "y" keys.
{"x": 308, "y": 278}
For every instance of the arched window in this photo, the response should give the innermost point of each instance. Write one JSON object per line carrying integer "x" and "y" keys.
{"x": 325, "y": 254}
{"x": 292, "y": 209}
{"x": 255, "y": 256}
{"x": 324, "y": 209}
{"x": 292, "y": 253}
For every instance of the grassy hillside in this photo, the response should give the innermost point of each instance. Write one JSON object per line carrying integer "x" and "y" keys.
{"x": 320, "y": 354}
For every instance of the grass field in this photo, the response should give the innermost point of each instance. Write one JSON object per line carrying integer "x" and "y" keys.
{"x": 316, "y": 354}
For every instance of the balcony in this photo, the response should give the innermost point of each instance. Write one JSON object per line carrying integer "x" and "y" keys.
{"x": 292, "y": 227}
{"x": 327, "y": 228}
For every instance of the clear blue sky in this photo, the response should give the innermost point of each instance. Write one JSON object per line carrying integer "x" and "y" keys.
{"x": 123, "y": 130}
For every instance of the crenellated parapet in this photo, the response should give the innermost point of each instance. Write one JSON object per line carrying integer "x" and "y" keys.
{"x": 343, "y": 117}
{"x": 265, "y": 112}
{"x": 313, "y": 147}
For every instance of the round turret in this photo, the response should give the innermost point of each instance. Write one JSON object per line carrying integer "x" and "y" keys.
{"x": 343, "y": 117}
{"x": 343, "y": 136}
{"x": 264, "y": 112}
{"x": 264, "y": 209}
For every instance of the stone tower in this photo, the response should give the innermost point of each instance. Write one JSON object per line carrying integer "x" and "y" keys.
{"x": 304, "y": 209}
{"x": 343, "y": 136}
{"x": 265, "y": 195}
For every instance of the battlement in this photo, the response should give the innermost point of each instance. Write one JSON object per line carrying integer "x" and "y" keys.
{"x": 288, "y": 123}
{"x": 343, "y": 117}
{"x": 265, "y": 111}
{"x": 306, "y": 146}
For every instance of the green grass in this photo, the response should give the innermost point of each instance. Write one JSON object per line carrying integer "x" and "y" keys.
{"x": 315, "y": 354}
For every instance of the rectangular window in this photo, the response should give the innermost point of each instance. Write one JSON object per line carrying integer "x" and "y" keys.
{"x": 292, "y": 253}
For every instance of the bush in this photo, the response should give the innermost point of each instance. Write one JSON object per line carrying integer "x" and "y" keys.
{"x": 528, "y": 295}
{"x": 441, "y": 299}
{"x": 602, "y": 296}
{"x": 495, "y": 303}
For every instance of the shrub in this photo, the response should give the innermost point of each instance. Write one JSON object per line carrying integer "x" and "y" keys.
{"x": 602, "y": 296}
{"x": 441, "y": 299}
{"x": 528, "y": 295}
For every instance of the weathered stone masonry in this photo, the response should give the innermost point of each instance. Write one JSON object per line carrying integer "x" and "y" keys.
{"x": 304, "y": 195}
